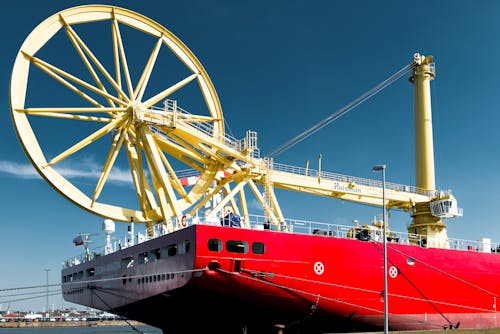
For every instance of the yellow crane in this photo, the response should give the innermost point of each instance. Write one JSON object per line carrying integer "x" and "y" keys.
{"x": 157, "y": 135}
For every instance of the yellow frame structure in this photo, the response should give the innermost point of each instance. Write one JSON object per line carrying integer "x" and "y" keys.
{"x": 153, "y": 137}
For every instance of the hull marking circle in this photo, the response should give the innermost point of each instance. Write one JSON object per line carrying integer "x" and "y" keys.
{"x": 319, "y": 268}
{"x": 393, "y": 272}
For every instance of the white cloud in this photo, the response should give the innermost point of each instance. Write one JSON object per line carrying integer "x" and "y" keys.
{"x": 85, "y": 170}
{"x": 25, "y": 171}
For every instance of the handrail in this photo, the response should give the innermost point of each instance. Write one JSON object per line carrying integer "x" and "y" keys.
{"x": 296, "y": 170}
{"x": 295, "y": 226}
{"x": 204, "y": 127}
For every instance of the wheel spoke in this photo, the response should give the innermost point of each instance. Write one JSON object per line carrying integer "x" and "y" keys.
{"x": 116, "y": 55}
{"x": 70, "y": 32}
{"x": 145, "y": 196}
{"x": 88, "y": 140}
{"x": 157, "y": 186}
{"x": 70, "y": 113}
{"x": 165, "y": 191}
{"x": 73, "y": 116}
{"x": 33, "y": 111}
{"x": 57, "y": 72}
{"x": 118, "y": 37}
{"x": 145, "y": 188}
{"x": 94, "y": 59}
{"x": 136, "y": 170}
{"x": 176, "y": 183}
{"x": 110, "y": 160}
{"x": 65, "y": 83}
{"x": 143, "y": 81}
{"x": 162, "y": 95}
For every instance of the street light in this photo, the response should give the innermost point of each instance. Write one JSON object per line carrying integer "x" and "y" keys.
{"x": 379, "y": 168}
{"x": 47, "y": 290}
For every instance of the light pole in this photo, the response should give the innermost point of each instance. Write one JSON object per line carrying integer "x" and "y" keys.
{"x": 47, "y": 290}
{"x": 386, "y": 306}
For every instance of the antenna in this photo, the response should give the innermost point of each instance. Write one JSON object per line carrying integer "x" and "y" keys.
{"x": 108, "y": 227}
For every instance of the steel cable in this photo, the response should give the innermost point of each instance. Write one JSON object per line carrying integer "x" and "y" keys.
{"x": 342, "y": 111}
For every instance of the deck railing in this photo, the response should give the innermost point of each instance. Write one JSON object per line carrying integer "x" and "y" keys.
{"x": 256, "y": 222}
{"x": 296, "y": 170}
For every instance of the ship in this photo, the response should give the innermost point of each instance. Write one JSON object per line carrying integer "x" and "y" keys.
{"x": 194, "y": 257}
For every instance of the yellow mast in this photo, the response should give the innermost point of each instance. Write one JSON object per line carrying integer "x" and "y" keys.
{"x": 424, "y": 147}
{"x": 424, "y": 223}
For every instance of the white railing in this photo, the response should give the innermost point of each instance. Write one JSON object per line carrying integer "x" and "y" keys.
{"x": 350, "y": 179}
{"x": 291, "y": 226}
{"x": 204, "y": 127}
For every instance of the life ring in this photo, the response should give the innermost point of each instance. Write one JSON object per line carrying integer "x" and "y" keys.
{"x": 184, "y": 221}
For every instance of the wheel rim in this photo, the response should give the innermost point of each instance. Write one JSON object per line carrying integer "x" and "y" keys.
{"x": 153, "y": 140}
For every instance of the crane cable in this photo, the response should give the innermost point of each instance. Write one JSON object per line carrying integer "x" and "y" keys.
{"x": 342, "y": 111}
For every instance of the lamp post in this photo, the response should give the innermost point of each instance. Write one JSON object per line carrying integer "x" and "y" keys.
{"x": 386, "y": 307}
{"x": 47, "y": 290}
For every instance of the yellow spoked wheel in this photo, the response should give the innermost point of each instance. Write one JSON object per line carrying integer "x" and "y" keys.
{"x": 63, "y": 110}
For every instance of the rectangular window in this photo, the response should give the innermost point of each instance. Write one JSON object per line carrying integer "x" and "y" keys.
{"x": 143, "y": 257}
{"x": 89, "y": 272}
{"x": 215, "y": 245}
{"x": 154, "y": 255}
{"x": 237, "y": 246}
{"x": 170, "y": 250}
{"x": 127, "y": 262}
{"x": 183, "y": 247}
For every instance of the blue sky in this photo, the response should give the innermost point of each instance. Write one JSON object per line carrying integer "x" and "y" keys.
{"x": 280, "y": 67}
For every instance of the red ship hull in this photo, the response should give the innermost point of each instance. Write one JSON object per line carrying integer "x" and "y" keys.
{"x": 233, "y": 277}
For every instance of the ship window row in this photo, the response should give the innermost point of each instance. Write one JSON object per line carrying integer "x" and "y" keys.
{"x": 73, "y": 277}
{"x": 236, "y": 246}
{"x": 164, "y": 252}
{"x": 155, "y": 278}
{"x": 153, "y": 255}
